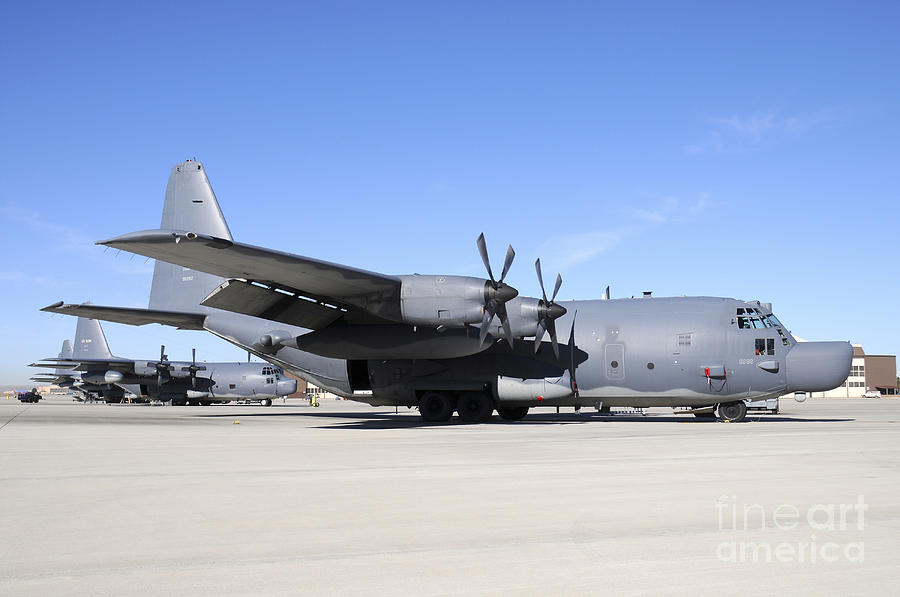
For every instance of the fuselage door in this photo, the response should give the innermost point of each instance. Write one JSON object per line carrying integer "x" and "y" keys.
{"x": 615, "y": 361}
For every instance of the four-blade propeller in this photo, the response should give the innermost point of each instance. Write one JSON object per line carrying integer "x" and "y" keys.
{"x": 548, "y": 312}
{"x": 193, "y": 369}
{"x": 162, "y": 366}
{"x": 496, "y": 294}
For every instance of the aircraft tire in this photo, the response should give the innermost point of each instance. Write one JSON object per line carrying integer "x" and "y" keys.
{"x": 475, "y": 407}
{"x": 733, "y": 412}
{"x": 435, "y": 407}
{"x": 266, "y": 402}
{"x": 512, "y": 413}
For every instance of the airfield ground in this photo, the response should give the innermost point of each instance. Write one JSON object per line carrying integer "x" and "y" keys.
{"x": 343, "y": 499}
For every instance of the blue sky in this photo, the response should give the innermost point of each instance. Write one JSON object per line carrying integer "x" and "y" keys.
{"x": 691, "y": 148}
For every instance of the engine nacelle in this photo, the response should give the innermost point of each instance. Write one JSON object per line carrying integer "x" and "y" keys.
{"x": 523, "y": 316}
{"x": 452, "y": 301}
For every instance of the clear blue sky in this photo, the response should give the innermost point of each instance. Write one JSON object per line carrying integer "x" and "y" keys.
{"x": 745, "y": 150}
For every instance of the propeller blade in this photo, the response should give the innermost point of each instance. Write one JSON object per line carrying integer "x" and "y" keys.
{"x": 485, "y": 322}
{"x": 538, "y": 336}
{"x": 572, "y": 356}
{"x": 162, "y": 352}
{"x": 482, "y": 249}
{"x": 552, "y": 329}
{"x": 507, "y": 263}
{"x": 504, "y": 321}
{"x": 555, "y": 288}
{"x": 537, "y": 268}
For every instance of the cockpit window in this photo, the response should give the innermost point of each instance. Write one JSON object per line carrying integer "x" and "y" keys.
{"x": 751, "y": 319}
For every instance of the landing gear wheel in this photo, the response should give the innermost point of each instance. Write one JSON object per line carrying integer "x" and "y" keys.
{"x": 733, "y": 412}
{"x": 512, "y": 413}
{"x": 475, "y": 407}
{"x": 266, "y": 402}
{"x": 435, "y": 407}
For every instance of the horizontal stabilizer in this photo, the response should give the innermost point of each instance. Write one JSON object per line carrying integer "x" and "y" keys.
{"x": 112, "y": 364}
{"x": 59, "y": 363}
{"x": 131, "y": 316}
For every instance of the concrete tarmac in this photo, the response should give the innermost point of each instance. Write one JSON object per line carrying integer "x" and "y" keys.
{"x": 100, "y": 499}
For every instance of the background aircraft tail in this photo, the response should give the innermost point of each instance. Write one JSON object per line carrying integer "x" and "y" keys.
{"x": 190, "y": 205}
{"x": 65, "y": 352}
{"x": 90, "y": 342}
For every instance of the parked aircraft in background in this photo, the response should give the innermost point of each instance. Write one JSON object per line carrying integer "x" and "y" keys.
{"x": 446, "y": 343}
{"x": 92, "y": 370}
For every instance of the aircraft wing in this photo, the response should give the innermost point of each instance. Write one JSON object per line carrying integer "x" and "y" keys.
{"x": 130, "y": 316}
{"x": 328, "y": 284}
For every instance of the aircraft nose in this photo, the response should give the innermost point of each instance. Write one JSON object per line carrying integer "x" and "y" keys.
{"x": 817, "y": 366}
{"x": 287, "y": 387}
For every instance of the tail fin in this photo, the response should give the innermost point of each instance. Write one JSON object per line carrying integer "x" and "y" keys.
{"x": 64, "y": 353}
{"x": 90, "y": 342}
{"x": 190, "y": 205}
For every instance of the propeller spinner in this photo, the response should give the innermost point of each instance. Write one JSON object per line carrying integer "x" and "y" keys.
{"x": 496, "y": 293}
{"x": 548, "y": 312}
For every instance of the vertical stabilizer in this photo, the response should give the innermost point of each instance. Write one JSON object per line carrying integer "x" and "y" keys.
{"x": 90, "y": 342}
{"x": 64, "y": 353}
{"x": 191, "y": 206}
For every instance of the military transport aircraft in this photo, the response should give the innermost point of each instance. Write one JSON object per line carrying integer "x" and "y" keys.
{"x": 93, "y": 371}
{"x": 446, "y": 343}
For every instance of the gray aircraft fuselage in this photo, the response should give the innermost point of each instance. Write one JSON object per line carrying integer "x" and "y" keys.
{"x": 458, "y": 342}
{"x": 681, "y": 351}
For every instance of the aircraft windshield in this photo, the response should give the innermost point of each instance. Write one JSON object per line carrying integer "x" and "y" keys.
{"x": 751, "y": 319}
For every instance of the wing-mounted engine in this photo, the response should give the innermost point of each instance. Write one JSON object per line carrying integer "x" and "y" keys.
{"x": 449, "y": 301}
{"x": 531, "y": 317}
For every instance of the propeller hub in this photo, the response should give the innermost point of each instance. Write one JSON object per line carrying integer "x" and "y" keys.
{"x": 555, "y": 311}
{"x": 502, "y": 292}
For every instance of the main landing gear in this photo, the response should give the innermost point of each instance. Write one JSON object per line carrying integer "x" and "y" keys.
{"x": 436, "y": 407}
{"x": 473, "y": 407}
{"x": 732, "y": 412}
